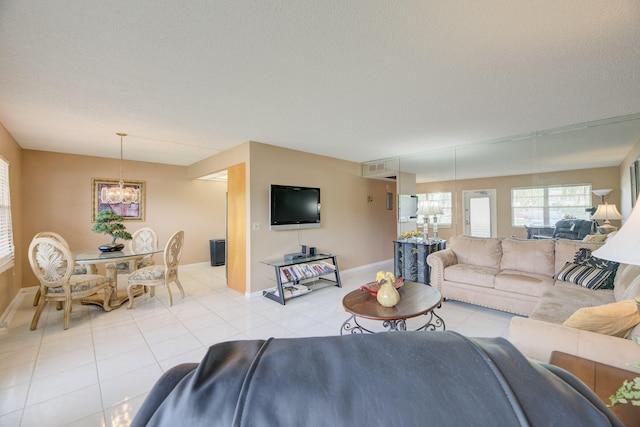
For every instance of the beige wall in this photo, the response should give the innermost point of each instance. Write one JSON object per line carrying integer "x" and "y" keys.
{"x": 358, "y": 231}
{"x": 599, "y": 178}
{"x": 52, "y": 191}
{"x": 57, "y": 197}
{"x": 10, "y": 280}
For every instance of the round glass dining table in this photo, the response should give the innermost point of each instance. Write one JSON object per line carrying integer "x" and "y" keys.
{"x": 111, "y": 259}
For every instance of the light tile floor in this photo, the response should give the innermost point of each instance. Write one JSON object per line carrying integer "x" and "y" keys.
{"x": 98, "y": 372}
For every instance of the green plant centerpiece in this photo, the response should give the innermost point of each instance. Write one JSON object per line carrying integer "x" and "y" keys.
{"x": 629, "y": 391}
{"x": 108, "y": 222}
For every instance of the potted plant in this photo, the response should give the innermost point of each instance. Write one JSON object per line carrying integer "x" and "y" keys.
{"x": 108, "y": 222}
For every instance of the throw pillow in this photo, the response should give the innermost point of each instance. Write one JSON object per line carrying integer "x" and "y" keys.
{"x": 595, "y": 238}
{"x": 583, "y": 275}
{"x": 616, "y": 319}
{"x": 583, "y": 257}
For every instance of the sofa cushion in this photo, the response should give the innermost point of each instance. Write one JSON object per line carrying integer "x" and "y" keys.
{"x": 522, "y": 283}
{"x": 559, "y": 302}
{"x": 530, "y": 256}
{"x": 566, "y": 251}
{"x": 616, "y": 318}
{"x": 627, "y": 282}
{"x": 484, "y": 252}
{"x": 471, "y": 274}
{"x": 633, "y": 290}
{"x": 583, "y": 275}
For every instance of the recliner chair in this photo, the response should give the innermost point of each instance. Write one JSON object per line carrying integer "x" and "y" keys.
{"x": 391, "y": 378}
{"x": 574, "y": 229}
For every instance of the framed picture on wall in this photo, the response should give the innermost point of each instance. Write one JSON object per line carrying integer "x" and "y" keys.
{"x": 101, "y": 198}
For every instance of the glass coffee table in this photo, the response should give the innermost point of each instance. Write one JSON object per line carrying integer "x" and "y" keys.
{"x": 416, "y": 299}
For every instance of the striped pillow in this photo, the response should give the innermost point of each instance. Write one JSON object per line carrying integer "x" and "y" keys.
{"x": 583, "y": 275}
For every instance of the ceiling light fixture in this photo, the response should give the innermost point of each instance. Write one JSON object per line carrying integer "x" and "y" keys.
{"x": 120, "y": 193}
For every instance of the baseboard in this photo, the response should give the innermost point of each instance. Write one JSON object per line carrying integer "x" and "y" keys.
{"x": 192, "y": 266}
{"x": 8, "y": 314}
{"x": 362, "y": 267}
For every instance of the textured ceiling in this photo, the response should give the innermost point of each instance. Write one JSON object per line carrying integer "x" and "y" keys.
{"x": 357, "y": 80}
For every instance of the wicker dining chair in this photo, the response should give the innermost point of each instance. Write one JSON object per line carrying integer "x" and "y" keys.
{"x": 157, "y": 275}
{"x": 142, "y": 240}
{"x": 52, "y": 262}
{"x": 77, "y": 269}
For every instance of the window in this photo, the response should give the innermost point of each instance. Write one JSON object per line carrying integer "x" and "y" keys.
{"x": 548, "y": 205}
{"x": 444, "y": 199}
{"x": 6, "y": 233}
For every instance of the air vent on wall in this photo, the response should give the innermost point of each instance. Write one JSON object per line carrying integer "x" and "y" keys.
{"x": 379, "y": 171}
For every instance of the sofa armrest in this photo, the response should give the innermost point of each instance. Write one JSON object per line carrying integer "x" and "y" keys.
{"x": 438, "y": 261}
{"x": 536, "y": 339}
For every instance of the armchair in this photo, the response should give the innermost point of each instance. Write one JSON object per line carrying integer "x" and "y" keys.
{"x": 574, "y": 229}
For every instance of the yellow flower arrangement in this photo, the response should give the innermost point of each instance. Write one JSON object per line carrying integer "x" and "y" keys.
{"x": 410, "y": 234}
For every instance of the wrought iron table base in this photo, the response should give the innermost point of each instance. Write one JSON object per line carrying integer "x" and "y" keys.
{"x": 434, "y": 322}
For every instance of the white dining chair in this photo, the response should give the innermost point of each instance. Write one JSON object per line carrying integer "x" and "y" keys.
{"x": 157, "y": 275}
{"x": 142, "y": 241}
{"x": 77, "y": 269}
{"x": 52, "y": 263}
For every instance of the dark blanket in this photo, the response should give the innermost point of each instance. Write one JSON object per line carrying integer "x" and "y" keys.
{"x": 574, "y": 229}
{"x": 386, "y": 379}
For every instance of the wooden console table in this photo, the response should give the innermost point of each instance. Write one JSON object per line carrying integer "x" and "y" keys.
{"x": 603, "y": 379}
{"x": 410, "y": 258}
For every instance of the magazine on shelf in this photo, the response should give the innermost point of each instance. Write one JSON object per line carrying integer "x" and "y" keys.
{"x": 292, "y": 291}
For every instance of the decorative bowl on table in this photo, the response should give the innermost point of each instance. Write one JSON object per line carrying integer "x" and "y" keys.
{"x": 111, "y": 247}
{"x": 373, "y": 287}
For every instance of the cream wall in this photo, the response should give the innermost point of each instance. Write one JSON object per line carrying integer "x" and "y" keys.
{"x": 599, "y": 178}
{"x": 358, "y": 231}
{"x": 57, "y": 197}
{"x": 11, "y": 280}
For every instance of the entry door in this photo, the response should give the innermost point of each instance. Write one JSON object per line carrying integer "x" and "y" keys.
{"x": 480, "y": 213}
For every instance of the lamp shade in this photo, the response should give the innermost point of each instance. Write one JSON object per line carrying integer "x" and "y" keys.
{"x": 624, "y": 246}
{"x": 429, "y": 207}
{"x": 606, "y": 212}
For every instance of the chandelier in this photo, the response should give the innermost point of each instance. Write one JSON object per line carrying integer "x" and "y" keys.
{"x": 120, "y": 193}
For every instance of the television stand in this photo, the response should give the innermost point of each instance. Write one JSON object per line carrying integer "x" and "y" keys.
{"x": 292, "y": 273}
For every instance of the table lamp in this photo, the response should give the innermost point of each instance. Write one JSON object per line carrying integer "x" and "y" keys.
{"x": 624, "y": 246}
{"x": 428, "y": 208}
{"x": 606, "y": 212}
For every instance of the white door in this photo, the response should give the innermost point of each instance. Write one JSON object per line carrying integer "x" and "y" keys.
{"x": 480, "y": 213}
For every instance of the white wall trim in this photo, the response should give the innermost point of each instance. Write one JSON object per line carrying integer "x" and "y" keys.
{"x": 12, "y": 308}
{"x": 196, "y": 265}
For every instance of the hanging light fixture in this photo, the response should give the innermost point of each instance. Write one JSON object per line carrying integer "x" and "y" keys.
{"x": 120, "y": 194}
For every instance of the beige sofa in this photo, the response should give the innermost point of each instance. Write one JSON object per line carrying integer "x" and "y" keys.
{"x": 517, "y": 276}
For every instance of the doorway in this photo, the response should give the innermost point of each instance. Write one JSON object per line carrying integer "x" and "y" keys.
{"x": 480, "y": 213}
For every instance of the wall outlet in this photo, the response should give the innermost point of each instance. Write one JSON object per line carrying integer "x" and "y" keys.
{"x": 255, "y": 226}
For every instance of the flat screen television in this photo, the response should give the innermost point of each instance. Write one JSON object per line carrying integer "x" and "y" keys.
{"x": 294, "y": 207}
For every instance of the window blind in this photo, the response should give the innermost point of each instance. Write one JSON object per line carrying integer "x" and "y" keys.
{"x": 6, "y": 231}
